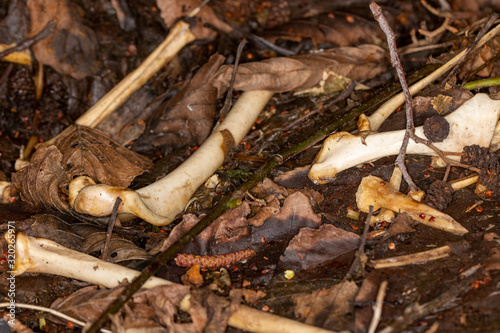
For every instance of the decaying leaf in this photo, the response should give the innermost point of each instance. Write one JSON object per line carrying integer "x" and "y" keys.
{"x": 90, "y": 152}
{"x": 86, "y": 303}
{"x": 81, "y": 151}
{"x": 14, "y": 26}
{"x": 72, "y": 48}
{"x": 326, "y": 71}
{"x": 189, "y": 115}
{"x": 312, "y": 247}
{"x": 172, "y": 10}
{"x": 143, "y": 311}
{"x": 41, "y": 182}
{"x": 483, "y": 60}
{"x": 332, "y": 29}
{"x": 224, "y": 235}
{"x": 493, "y": 261}
{"x": 81, "y": 236}
{"x": 366, "y": 297}
{"x": 295, "y": 214}
{"x": 329, "y": 307}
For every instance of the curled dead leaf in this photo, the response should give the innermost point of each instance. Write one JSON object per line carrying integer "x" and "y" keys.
{"x": 331, "y": 68}
{"x": 90, "y": 152}
{"x": 40, "y": 182}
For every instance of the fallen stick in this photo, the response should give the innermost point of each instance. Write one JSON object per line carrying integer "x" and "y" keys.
{"x": 377, "y": 309}
{"x": 412, "y": 259}
{"x": 160, "y": 202}
{"x": 37, "y": 255}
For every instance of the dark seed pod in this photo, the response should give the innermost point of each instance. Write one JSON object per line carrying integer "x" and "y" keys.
{"x": 436, "y": 128}
{"x": 489, "y": 177}
{"x": 474, "y": 155}
{"x": 439, "y": 195}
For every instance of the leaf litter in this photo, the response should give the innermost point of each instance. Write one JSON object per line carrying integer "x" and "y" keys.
{"x": 296, "y": 226}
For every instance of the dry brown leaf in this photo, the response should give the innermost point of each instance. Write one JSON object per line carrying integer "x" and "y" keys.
{"x": 72, "y": 48}
{"x": 87, "y": 151}
{"x": 86, "y": 303}
{"x": 189, "y": 116}
{"x": 212, "y": 310}
{"x": 295, "y": 214}
{"x": 173, "y": 10}
{"x": 366, "y": 297}
{"x": 267, "y": 188}
{"x": 272, "y": 208}
{"x": 15, "y": 24}
{"x": 312, "y": 247}
{"x": 250, "y": 296}
{"x": 333, "y": 29}
{"x": 40, "y": 182}
{"x": 329, "y": 307}
{"x": 332, "y": 68}
{"x": 474, "y": 5}
{"x": 18, "y": 326}
{"x": 81, "y": 151}
{"x": 143, "y": 311}
{"x": 218, "y": 238}
{"x": 83, "y": 237}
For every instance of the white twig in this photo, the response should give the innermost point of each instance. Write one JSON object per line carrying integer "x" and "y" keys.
{"x": 377, "y": 309}
{"x": 52, "y": 312}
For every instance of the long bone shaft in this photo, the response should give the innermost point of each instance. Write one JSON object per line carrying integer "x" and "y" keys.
{"x": 161, "y": 201}
{"x": 38, "y": 255}
{"x": 473, "y": 123}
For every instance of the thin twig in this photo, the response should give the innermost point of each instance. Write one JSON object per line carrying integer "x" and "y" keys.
{"x": 111, "y": 224}
{"x": 51, "y": 311}
{"x": 229, "y": 96}
{"x": 357, "y": 267}
{"x": 396, "y": 63}
{"x": 377, "y": 309}
{"x": 471, "y": 47}
{"x": 30, "y": 41}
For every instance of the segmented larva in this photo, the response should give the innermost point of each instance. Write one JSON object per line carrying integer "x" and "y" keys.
{"x": 219, "y": 260}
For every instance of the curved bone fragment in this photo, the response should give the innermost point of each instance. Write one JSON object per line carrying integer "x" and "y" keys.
{"x": 374, "y": 191}
{"x": 473, "y": 123}
{"x": 160, "y": 202}
{"x": 38, "y": 255}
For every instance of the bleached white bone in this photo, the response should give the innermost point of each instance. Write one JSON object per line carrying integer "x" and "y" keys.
{"x": 37, "y": 255}
{"x": 473, "y": 123}
{"x": 160, "y": 202}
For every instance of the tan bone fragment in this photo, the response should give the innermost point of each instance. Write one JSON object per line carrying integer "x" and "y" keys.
{"x": 373, "y": 191}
